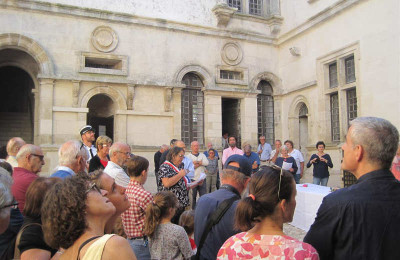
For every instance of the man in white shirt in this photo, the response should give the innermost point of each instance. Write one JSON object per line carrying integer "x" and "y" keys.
{"x": 88, "y": 140}
{"x": 296, "y": 154}
{"x": 119, "y": 155}
{"x": 13, "y": 146}
{"x": 199, "y": 161}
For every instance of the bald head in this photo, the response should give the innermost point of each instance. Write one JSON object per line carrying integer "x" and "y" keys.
{"x": 73, "y": 155}
{"x": 180, "y": 144}
{"x": 13, "y": 145}
{"x": 195, "y": 147}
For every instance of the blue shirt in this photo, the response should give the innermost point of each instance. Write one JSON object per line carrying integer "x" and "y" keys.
{"x": 253, "y": 157}
{"x": 361, "y": 221}
{"x": 217, "y": 236}
{"x": 63, "y": 172}
{"x": 266, "y": 151}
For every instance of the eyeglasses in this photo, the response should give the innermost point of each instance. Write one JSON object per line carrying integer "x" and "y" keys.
{"x": 126, "y": 153}
{"x": 41, "y": 157}
{"x": 13, "y": 205}
{"x": 93, "y": 186}
{"x": 181, "y": 155}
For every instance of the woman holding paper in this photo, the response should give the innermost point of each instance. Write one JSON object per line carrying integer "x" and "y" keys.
{"x": 171, "y": 177}
{"x": 285, "y": 161}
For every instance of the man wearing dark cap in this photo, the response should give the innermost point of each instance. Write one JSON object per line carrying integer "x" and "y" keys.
{"x": 88, "y": 138}
{"x": 234, "y": 180}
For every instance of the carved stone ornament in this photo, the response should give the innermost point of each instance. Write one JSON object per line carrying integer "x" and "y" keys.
{"x": 223, "y": 13}
{"x": 275, "y": 22}
{"x": 104, "y": 39}
{"x": 295, "y": 51}
{"x": 232, "y": 54}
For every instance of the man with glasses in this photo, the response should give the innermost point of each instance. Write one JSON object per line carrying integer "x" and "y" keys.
{"x": 30, "y": 160}
{"x": 362, "y": 221}
{"x": 119, "y": 155}
{"x": 72, "y": 159}
{"x": 234, "y": 180}
{"x": 88, "y": 139}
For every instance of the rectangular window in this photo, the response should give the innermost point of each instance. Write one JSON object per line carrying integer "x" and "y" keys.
{"x": 350, "y": 70}
{"x": 333, "y": 77}
{"x": 335, "y": 126}
{"x": 351, "y": 104}
{"x": 255, "y": 7}
{"x": 227, "y": 74}
{"x": 236, "y": 4}
{"x": 100, "y": 63}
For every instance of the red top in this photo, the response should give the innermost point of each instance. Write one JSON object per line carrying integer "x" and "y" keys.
{"x": 22, "y": 179}
{"x": 133, "y": 218}
{"x": 104, "y": 163}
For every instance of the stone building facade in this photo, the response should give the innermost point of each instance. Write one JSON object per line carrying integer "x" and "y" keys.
{"x": 144, "y": 72}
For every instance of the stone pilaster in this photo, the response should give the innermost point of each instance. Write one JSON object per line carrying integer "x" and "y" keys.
{"x": 212, "y": 119}
{"x": 45, "y": 113}
{"x": 248, "y": 116}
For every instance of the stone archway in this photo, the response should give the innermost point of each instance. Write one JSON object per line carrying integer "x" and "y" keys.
{"x": 28, "y": 45}
{"x": 116, "y": 96}
{"x": 299, "y": 115}
{"x": 204, "y": 75}
{"x": 274, "y": 80}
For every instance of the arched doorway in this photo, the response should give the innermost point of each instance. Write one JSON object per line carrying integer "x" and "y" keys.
{"x": 265, "y": 112}
{"x": 303, "y": 128}
{"x": 17, "y": 104}
{"x": 101, "y": 115}
{"x": 192, "y": 110}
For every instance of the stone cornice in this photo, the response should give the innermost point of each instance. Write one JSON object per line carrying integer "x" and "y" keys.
{"x": 318, "y": 18}
{"x": 298, "y": 88}
{"x": 115, "y": 17}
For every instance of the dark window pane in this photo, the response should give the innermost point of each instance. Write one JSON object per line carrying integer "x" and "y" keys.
{"x": 235, "y": 3}
{"x": 255, "y": 7}
{"x": 335, "y": 126}
{"x": 333, "y": 77}
{"x": 350, "y": 70}
{"x": 351, "y": 104}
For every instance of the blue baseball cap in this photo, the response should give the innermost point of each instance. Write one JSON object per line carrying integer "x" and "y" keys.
{"x": 245, "y": 166}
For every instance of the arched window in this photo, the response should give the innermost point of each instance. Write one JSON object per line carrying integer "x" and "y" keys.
{"x": 101, "y": 115}
{"x": 303, "y": 111}
{"x": 265, "y": 112}
{"x": 192, "y": 112}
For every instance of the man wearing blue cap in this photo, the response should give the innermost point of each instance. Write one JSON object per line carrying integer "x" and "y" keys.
{"x": 234, "y": 180}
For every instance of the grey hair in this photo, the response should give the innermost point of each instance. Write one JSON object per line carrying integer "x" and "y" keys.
{"x": 284, "y": 147}
{"x": 235, "y": 176}
{"x": 14, "y": 144}
{"x": 69, "y": 151}
{"x": 5, "y": 191}
{"x": 26, "y": 149}
{"x": 378, "y": 137}
{"x": 116, "y": 147}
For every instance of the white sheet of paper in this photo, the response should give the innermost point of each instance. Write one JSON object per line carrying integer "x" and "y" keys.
{"x": 194, "y": 183}
{"x": 286, "y": 166}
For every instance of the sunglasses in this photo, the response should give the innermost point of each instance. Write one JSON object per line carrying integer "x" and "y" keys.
{"x": 276, "y": 167}
{"x": 41, "y": 157}
{"x": 13, "y": 205}
{"x": 94, "y": 187}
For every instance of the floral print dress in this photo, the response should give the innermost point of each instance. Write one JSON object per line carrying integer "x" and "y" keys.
{"x": 252, "y": 246}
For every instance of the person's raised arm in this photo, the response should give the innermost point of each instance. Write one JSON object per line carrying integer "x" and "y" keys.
{"x": 171, "y": 181}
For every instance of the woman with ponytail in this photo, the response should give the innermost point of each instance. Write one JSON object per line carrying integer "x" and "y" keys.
{"x": 167, "y": 240}
{"x": 271, "y": 202}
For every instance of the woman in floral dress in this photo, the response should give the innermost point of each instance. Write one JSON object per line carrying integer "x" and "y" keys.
{"x": 271, "y": 202}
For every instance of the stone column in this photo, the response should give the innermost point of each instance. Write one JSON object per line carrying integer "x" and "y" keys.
{"x": 176, "y": 110}
{"x": 248, "y": 115}
{"x": 120, "y": 128}
{"x": 212, "y": 119}
{"x": 45, "y": 115}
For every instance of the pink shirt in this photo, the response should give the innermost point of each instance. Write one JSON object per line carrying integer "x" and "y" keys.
{"x": 228, "y": 152}
{"x": 22, "y": 179}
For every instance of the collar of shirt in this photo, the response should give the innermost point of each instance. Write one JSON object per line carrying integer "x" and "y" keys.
{"x": 230, "y": 188}
{"x": 113, "y": 165}
{"x": 135, "y": 183}
{"x": 375, "y": 174}
{"x": 65, "y": 168}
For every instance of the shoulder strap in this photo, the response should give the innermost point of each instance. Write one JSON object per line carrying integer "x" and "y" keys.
{"x": 213, "y": 220}
{"x": 17, "y": 253}
{"x": 84, "y": 244}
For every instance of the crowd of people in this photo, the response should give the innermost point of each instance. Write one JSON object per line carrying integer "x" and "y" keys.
{"x": 94, "y": 205}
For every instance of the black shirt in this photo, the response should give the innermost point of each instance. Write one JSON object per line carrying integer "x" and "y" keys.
{"x": 32, "y": 237}
{"x": 361, "y": 221}
{"x": 320, "y": 168}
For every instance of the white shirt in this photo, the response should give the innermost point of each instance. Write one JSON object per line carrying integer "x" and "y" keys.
{"x": 204, "y": 162}
{"x": 117, "y": 173}
{"x": 94, "y": 151}
{"x": 12, "y": 160}
{"x": 298, "y": 157}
